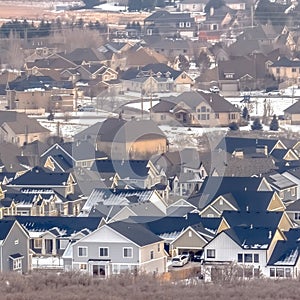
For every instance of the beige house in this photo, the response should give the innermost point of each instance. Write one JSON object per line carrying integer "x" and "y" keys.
{"x": 292, "y": 114}
{"x": 17, "y": 128}
{"x": 286, "y": 70}
{"x": 196, "y": 109}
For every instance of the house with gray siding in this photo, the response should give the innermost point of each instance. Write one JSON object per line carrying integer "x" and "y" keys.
{"x": 116, "y": 248}
{"x": 14, "y": 247}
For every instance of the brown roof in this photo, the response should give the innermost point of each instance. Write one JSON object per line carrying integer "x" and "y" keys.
{"x": 21, "y": 123}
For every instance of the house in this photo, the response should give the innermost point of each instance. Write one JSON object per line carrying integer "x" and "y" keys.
{"x": 114, "y": 200}
{"x": 116, "y": 248}
{"x": 240, "y": 146}
{"x": 196, "y": 109}
{"x": 166, "y": 23}
{"x": 155, "y": 78}
{"x": 248, "y": 247}
{"x": 50, "y": 235}
{"x": 19, "y": 129}
{"x": 243, "y": 201}
{"x": 120, "y": 139}
{"x": 65, "y": 156}
{"x": 292, "y": 113}
{"x": 192, "y": 6}
{"x": 14, "y": 247}
{"x": 285, "y": 69}
{"x": 32, "y": 93}
{"x": 214, "y": 186}
{"x": 286, "y": 188}
{"x": 141, "y": 174}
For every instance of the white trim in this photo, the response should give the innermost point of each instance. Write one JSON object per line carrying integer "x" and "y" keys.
{"x": 103, "y": 248}
{"x": 82, "y": 247}
{"x": 131, "y": 252}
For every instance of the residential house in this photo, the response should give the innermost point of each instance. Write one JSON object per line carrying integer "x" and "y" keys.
{"x": 140, "y": 174}
{"x": 65, "y": 156}
{"x": 267, "y": 219}
{"x": 120, "y": 139}
{"x": 69, "y": 199}
{"x": 292, "y": 113}
{"x": 155, "y": 78}
{"x": 50, "y": 235}
{"x": 293, "y": 175}
{"x": 181, "y": 234}
{"x": 286, "y": 188}
{"x": 214, "y": 186}
{"x": 248, "y": 247}
{"x": 192, "y": 6}
{"x": 116, "y": 248}
{"x": 236, "y": 4}
{"x": 240, "y": 146}
{"x": 18, "y": 129}
{"x": 285, "y": 69}
{"x": 196, "y": 109}
{"x": 253, "y": 201}
{"x": 31, "y": 93}
{"x": 109, "y": 202}
{"x": 14, "y": 246}
{"x": 166, "y": 23}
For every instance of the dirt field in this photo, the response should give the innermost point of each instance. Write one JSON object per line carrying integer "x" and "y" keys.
{"x": 35, "y": 13}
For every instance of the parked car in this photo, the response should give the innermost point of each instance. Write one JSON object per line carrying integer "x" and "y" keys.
{"x": 86, "y": 108}
{"x": 179, "y": 261}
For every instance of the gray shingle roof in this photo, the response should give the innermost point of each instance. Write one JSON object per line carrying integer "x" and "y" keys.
{"x": 135, "y": 232}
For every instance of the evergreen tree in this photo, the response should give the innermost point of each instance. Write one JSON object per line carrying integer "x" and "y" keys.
{"x": 234, "y": 126}
{"x": 245, "y": 113}
{"x": 274, "y": 126}
{"x": 256, "y": 124}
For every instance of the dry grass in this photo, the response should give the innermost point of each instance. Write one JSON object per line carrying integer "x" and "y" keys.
{"x": 74, "y": 286}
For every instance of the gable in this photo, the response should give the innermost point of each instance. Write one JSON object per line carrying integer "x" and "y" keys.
{"x": 276, "y": 203}
{"x": 189, "y": 239}
{"x": 105, "y": 234}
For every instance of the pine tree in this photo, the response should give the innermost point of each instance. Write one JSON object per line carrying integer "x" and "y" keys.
{"x": 256, "y": 124}
{"x": 274, "y": 126}
{"x": 245, "y": 113}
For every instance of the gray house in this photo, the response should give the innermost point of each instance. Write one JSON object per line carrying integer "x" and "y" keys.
{"x": 115, "y": 248}
{"x": 14, "y": 247}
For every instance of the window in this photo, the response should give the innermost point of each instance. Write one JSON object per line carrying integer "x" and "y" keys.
{"x": 17, "y": 242}
{"x": 248, "y": 258}
{"x": 127, "y": 252}
{"x": 297, "y": 216}
{"x": 181, "y": 24}
{"x": 256, "y": 258}
{"x": 103, "y": 252}
{"x": 190, "y": 233}
{"x": 17, "y": 264}
{"x": 203, "y": 109}
{"x": 210, "y": 253}
{"x": 217, "y": 116}
{"x": 203, "y": 117}
{"x": 158, "y": 247}
{"x": 277, "y": 70}
{"x": 288, "y": 272}
{"x": 162, "y": 117}
{"x": 279, "y": 272}
{"x": 188, "y": 24}
{"x": 82, "y": 267}
{"x": 37, "y": 243}
{"x": 207, "y": 117}
{"x": 151, "y": 254}
{"x": 293, "y": 191}
{"x": 221, "y": 202}
{"x": 272, "y": 272}
{"x": 240, "y": 257}
{"x": 294, "y": 70}
{"x": 82, "y": 251}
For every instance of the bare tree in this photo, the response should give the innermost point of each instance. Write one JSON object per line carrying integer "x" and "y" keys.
{"x": 15, "y": 56}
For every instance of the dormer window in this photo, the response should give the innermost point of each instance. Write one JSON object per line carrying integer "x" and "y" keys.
{"x": 181, "y": 24}
{"x": 188, "y": 24}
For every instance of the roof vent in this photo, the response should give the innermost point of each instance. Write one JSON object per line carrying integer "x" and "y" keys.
{"x": 270, "y": 234}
